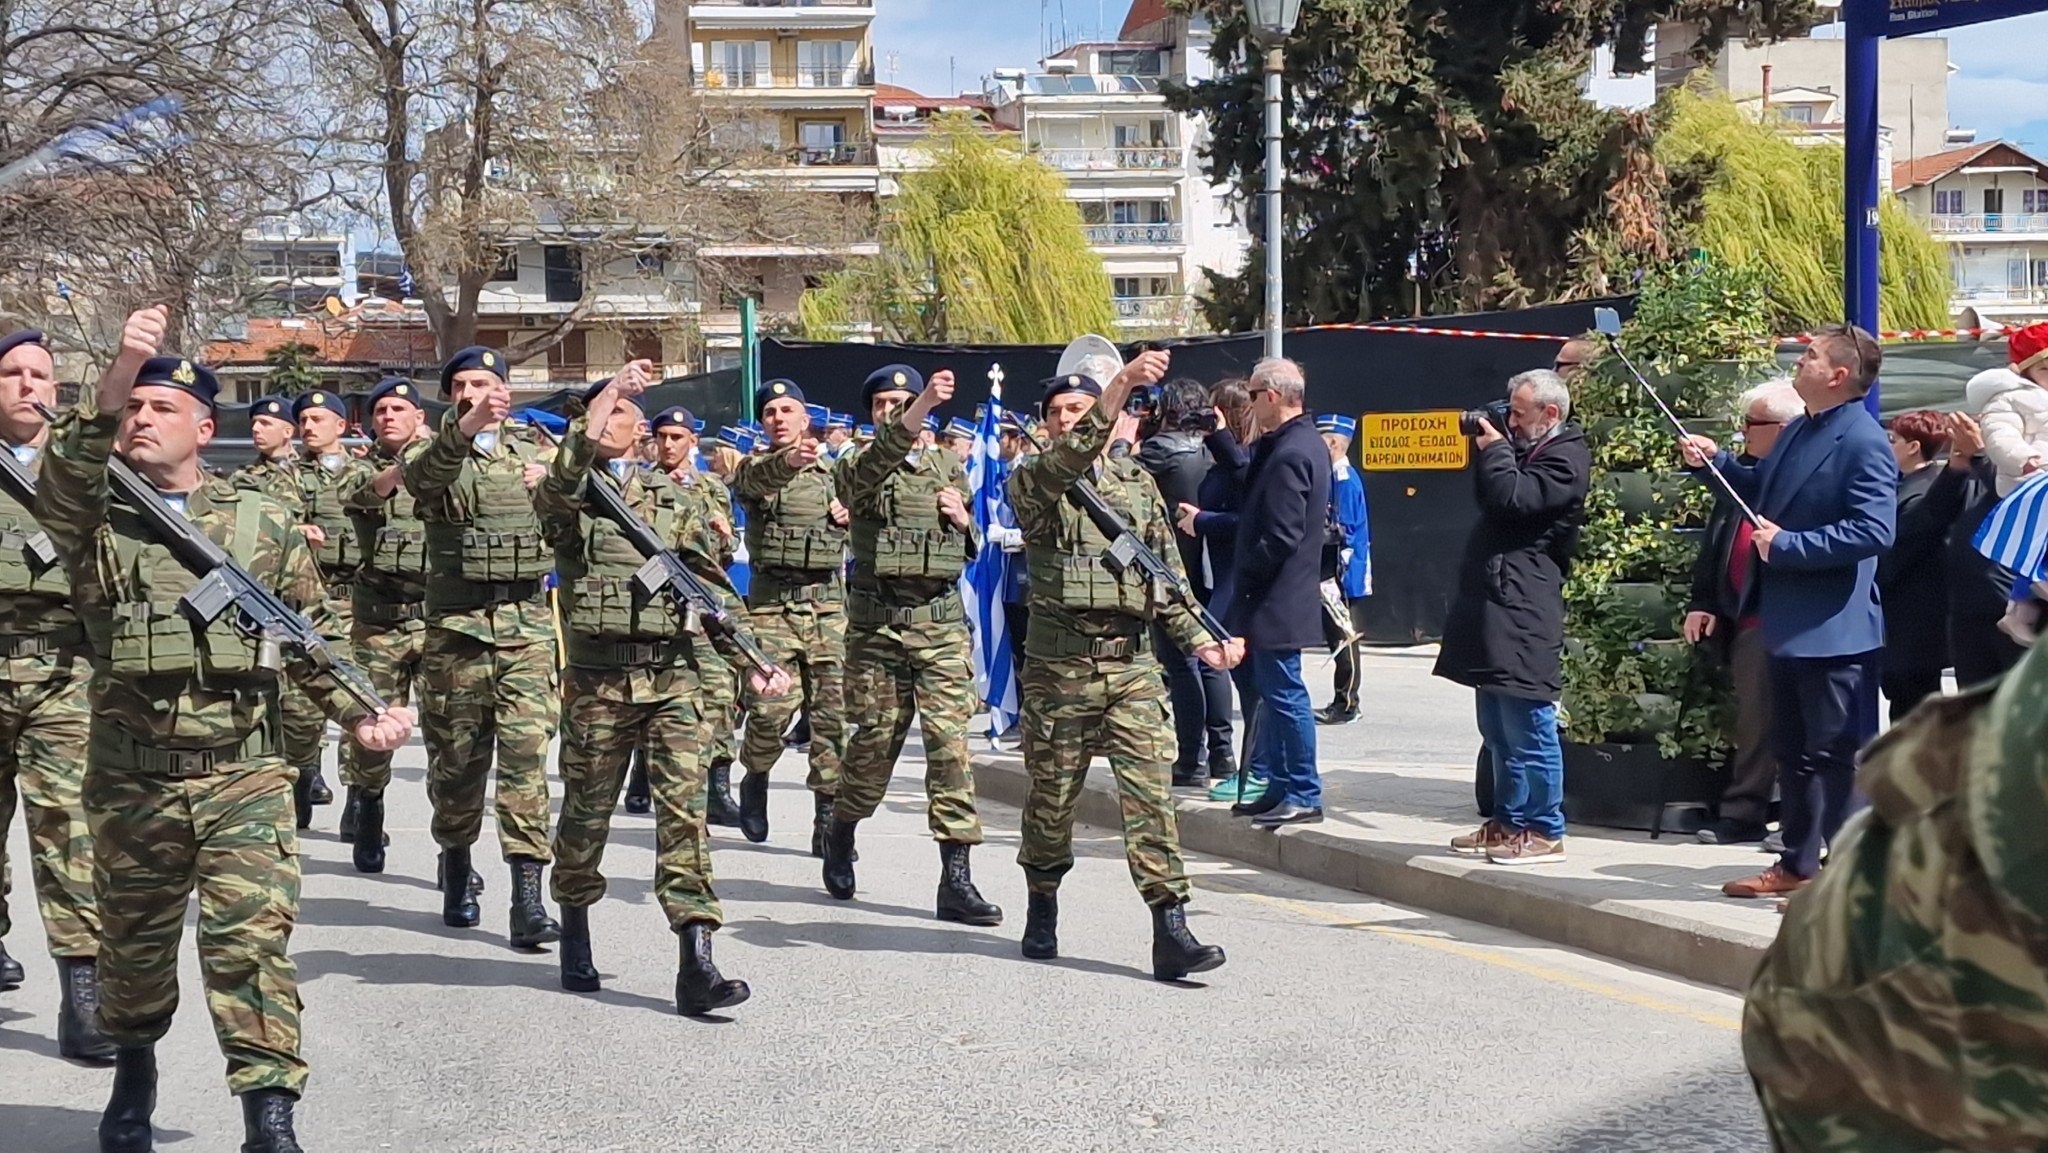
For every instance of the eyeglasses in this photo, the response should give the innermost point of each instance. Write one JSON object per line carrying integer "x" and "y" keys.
{"x": 1254, "y": 392}
{"x": 1566, "y": 365}
{"x": 1752, "y": 422}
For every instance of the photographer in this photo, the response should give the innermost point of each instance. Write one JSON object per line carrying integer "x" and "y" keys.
{"x": 1176, "y": 458}
{"x": 1505, "y": 635}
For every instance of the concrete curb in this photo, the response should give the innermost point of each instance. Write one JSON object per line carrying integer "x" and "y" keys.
{"x": 1694, "y": 950}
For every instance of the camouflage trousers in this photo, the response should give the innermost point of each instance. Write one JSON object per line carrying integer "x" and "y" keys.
{"x": 305, "y": 726}
{"x": 925, "y": 668}
{"x": 43, "y": 725}
{"x": 390, "y": 656}
{"x": 720, "y": 687}
{"x": 479, "y": 702}
{"x": 809, "y": 640}
{"x": 1074, "y": 708}
{"x": 606, "y": 715}
{"x": 228, "y": 835}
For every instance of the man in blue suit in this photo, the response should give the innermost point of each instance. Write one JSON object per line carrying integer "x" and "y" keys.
{"x": 1824, "y": 499}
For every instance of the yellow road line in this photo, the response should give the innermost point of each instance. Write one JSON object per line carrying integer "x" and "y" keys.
{"x": 1494, "y": 957}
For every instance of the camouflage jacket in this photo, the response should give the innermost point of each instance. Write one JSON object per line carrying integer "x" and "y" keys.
{"x": 1904, "y": 1004}
{"x": 430, "y": 476}
{"x": 325, "y": 484}
{"x": 862, "y": 477}
{"x": 764, "y": 482}
{"x": 372, "y": 513}
{"x": 713, "y": 499}
{"x": 85, "y": 523}
{"x": 277, "y": 478}
{"x": 35, "y": 598}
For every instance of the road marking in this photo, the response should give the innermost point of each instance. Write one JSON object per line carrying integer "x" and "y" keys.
{"x": 1490, "y": 956}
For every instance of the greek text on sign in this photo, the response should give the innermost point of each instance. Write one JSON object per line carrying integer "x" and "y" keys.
{"x": 1402, "y": 441}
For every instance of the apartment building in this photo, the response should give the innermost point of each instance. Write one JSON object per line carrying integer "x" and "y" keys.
{"x": 296, "y": 265}
{"x": 1989, "y": 203}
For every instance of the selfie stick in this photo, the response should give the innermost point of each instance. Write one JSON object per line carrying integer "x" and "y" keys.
{"x": 1609, "y": 324}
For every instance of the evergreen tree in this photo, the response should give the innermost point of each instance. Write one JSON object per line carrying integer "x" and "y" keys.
{"x": 291, "y": 369}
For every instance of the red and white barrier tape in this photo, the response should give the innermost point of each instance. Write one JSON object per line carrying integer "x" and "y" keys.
{"x": 1486, "y": 334}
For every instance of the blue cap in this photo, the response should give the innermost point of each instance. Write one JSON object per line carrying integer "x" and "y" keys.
{"x": 931, "y": 422}
{"x": 397, "y": 386}
{"x": 187, "y": 376}
{"x": 840, "y": 420}
{"x": 960, "y": 426}
{"x": 819, "y": 414}
{"x": 777, "y": 389}
{"x": 475, "y": 356}
{"x": 1071, "y": 382}
{"x": 753, "y": 428}
{"x": 866, "y": 430}
{"x": 890, "y": 378}
{"x": 676, "y": 417}
{"x": 736, "y": 438}
{"x": 14, "y": 340}
{"x": 321, "y": 398}
{"x": 274, "y": 407}
{"x": 1343, "y": 426}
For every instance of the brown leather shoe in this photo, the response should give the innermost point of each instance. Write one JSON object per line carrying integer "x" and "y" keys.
{"x": 1771, "y": 882}
{"x": 1475, "y": 843}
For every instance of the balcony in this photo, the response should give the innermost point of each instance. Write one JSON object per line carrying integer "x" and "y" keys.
{"x": 1979, "y": 223}
{"x": 786, "y": 81}
{"x": 781, "y": 14}
{"x": 1149, "y": 159}
{"x": 2001, "y": 294}
{"x": 1119, "y": 235}
{"x": 857, "y": 153}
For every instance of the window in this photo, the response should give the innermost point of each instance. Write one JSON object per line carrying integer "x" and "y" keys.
{"x": 649, "y": 263}
{"x": 1124, "y": 287}
{"x": 1994, "y": 201}
{"x": 1133, "y": 62}
{"x": 508, "y": 265}
{"x": 1949, "y": 202}
{"x": 826, "y": 64}
{"x": 823, "y": 141}
{"x": 2034, "y": 200}
{"x": 736, "y": 64}
{"x": 644, "y": 344}
{"x": 1159, "y": 286}
{"x": 1796, "y": 113}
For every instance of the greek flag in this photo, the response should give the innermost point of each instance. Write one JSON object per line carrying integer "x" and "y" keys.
{"x": 2015, "y": 534}
{"x": 981, "y": 586}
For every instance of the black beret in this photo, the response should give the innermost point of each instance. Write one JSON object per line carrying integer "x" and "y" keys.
{"x": 397, "y": 386}
{"x": 890, "y": 378}
{"x": 14, "y": 340}
{"x": 475, "y": 356}
{"x": 777, "y": 389}
{"x": 1072, "y": 382}
{"x": 274, "y": 407}
{"x": 321, "y": 398}
{"x": 187, "y": 376}
{"x": 677, "y": 417}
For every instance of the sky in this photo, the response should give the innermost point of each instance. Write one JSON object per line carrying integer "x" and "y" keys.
{"x": 1999, "y": 88}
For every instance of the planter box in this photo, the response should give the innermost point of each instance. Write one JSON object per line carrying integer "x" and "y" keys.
{"x": 1635, "y": 787}
{"x": 1648, "y": 604}
{"x": 1645, "y": 496}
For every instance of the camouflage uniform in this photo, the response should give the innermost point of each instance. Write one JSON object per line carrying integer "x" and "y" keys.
{"x": 325, "y": 484}
{"x": 908, "y": 638}
{"x": 43, "y": 722}
{"x": 1903, "y": 1007}
{"x": 388, "y": 606}
{"x": 632, "y": 683}
{"x": 798, "y": 598}
{"x": 720, "y": 682}
{"x": 185, "y": 787}
{"x": 1091, "y": 685}
{"x": 304, "y": 726}
{"x": 487, "y": 660}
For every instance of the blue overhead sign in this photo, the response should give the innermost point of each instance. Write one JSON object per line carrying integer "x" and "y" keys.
{"x": 1908, "y": 17}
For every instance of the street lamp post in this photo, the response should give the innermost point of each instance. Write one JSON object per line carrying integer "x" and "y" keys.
{"x": 1272, "y": 22}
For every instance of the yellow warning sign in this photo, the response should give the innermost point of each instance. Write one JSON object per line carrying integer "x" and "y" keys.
{"x": 1404, "y": 441}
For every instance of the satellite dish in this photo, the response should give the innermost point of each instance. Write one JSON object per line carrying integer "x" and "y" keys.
{"x": 1087, "y": 355}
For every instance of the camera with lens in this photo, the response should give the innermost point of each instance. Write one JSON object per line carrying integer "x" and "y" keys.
{"x": 1495, "y": 414}
{"x": 1144, "y": 402}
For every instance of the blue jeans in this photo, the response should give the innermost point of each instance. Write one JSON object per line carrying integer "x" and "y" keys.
{"x": 1289, "y": 740}
{"x": 1528, "y": 765}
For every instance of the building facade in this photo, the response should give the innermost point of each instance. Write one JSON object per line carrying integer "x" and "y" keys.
{"x": 1989, "y": 203}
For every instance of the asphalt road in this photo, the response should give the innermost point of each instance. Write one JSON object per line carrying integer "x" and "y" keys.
{"x": 1339, "y": 1024}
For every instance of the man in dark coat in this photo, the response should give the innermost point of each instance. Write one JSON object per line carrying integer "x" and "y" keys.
{"x": 1977, "y": 587}
{"x": 1912, "y": 579}
{"x": 1505, "y": 634}
{"x": 1276, "y": 606}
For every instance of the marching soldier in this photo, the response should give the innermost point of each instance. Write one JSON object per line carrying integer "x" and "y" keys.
{"x": 44, "y": 717}
{"x": 388, "y": 627}
{"x": 908, "y": 635}
{"x": 487, "y": 660}
{"x": 327, "y": 476}
{"x": 796, "y": 544}
{"x": 675, "y": 439}
{"x": 1091, "y": 685}
{"x": 185, "y": 786}
{"x": 632, "y": 683}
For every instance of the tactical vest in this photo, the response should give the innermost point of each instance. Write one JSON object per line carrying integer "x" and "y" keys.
{"x": 498, "y": 538}
{"x": 398, "y": 546}
{"x": 599, "y": 598}
{"x": 342, "y": 552}
{"x": 794, "y": 528}
{"x": 150, "y": 635}
{"x": 21, "y": 574}
{"x": 1072, "y": 571}
{"x": 912, "y": 538}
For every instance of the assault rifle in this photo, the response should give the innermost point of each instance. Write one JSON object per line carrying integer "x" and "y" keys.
{"x": 22, "y": 487}
{"x": 1129, "y": 554}
{"x": 225, "y": 586}
{"x": 664, "y": 570}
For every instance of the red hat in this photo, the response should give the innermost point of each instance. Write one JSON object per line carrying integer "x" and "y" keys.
{"x": 2029, "y": 347}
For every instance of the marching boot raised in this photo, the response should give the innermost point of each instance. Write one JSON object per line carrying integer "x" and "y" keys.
{"x": 700, "y": 988}
{"x": 11, "y": 972}
{"x": 754, "y": 807}
{"x": 1041, "y": 925}
{"x": 958, "y": 899}
{"x": 531, "y": 925}
{"x": 302, "y": 798}
{"x": 579, "y": 975}
{"x": 351, "y": 811}
{"x": 124, "y": 1127}
{"x": 267, "y": 1122}
{"x": 639, "y": 800}
{"x": 458, "y": 902}
{"x": 368, "y": 850}
{"x": 719, "y": 807}
{"x": 78, "y": 1031}
{"x": 1175, "y": 952}
{"x": 839, "y": 859}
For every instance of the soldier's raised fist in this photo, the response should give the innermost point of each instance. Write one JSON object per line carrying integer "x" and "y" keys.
{"x": 143, "y": 335}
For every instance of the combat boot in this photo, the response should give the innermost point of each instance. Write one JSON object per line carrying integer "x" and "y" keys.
{"x": 754, "y": 807}
{"x": 124, "y": 1127}
{"x": 302, "y": 798}
{"x": 78, "y": 1031}
{"x": 370, "y": 839}
{"x": 959, "y": 900}
{"x": 700, "y": 988}
{"x": 579, "y": 975}
{"x": 1041, "y": 925}
{"x": 458, "y": 903}
{"x": 476, "y": 879}
{"x": 719, "y": 806}
{"x": 11, "y": 972}
{"x": 318, "y": 792}
{"x": 267, "y": 1122}
{"x": 821, "y": 818}
{"x": 351, "y": 812}
{"x": 1175, "y": 952}
{"x": 839, "y": 859}
{"x": 531, "y": 925}
{"x": 639, "y": 800}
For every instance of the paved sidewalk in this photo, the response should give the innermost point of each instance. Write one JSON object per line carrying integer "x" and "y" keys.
{"x": 1398, "y": 785}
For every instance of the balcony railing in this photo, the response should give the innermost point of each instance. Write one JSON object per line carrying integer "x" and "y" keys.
{"x": 2002, "y": 294}
{"x": 1111, "y": 159}
{"x": 808, "y": 76}
{"x": 1149, "y": 307}
{"x": 855, "y": 152}
{"x": 1121, "y": 234}
{"x": 1958, "y": 223}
